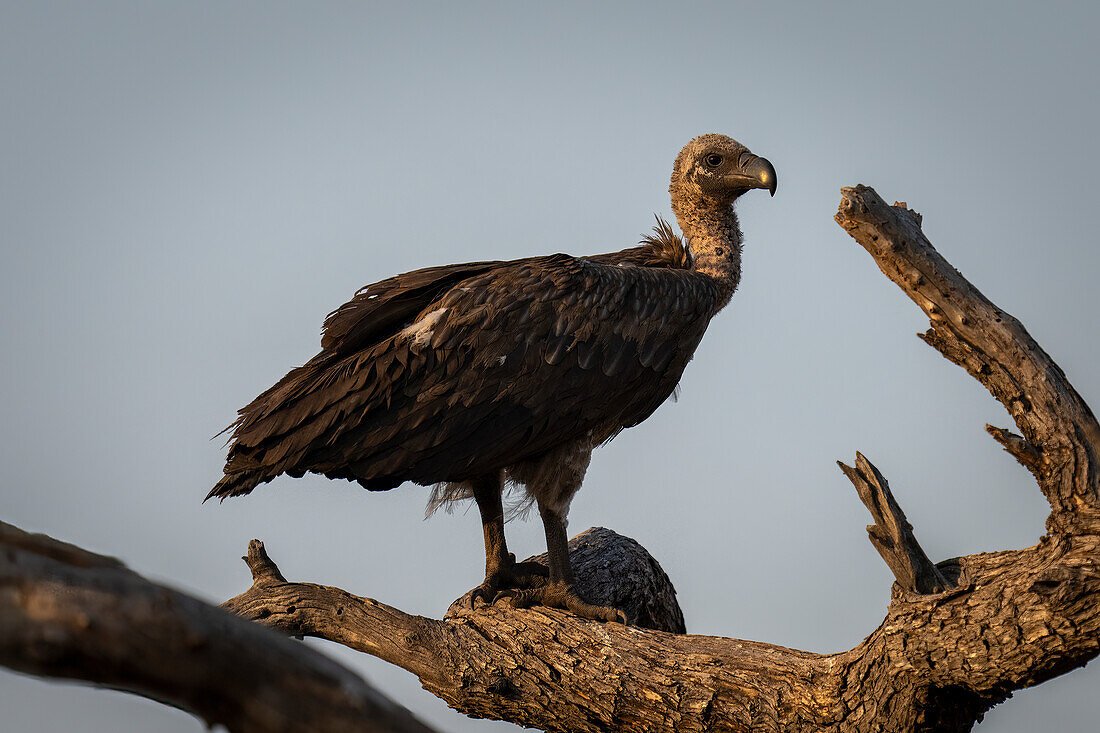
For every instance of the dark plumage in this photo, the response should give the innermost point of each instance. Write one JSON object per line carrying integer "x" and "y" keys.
{"x": 462, "y": 374}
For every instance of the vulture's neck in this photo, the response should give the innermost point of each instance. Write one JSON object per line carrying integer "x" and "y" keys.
{"x": 714, "y": 238}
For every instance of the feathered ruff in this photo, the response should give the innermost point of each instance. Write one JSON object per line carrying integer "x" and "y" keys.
{"x": 664, "y": 249}
{"x": 667, "y": 247}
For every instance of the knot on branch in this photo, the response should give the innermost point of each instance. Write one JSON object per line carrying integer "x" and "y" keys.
{"x": 1069, "y": 586}
{"x": 1055, "y": 580}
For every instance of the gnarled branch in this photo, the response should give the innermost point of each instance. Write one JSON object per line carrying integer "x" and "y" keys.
{"x": 542, "y": 667}
{"x": 891, "y": 534}
{"x": 959, "y": 635}
{"x": 1060, "y": 435}
{"x": 66, "y": 612}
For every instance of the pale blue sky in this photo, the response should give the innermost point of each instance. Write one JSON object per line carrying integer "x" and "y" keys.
{"x": 186, "y": 189}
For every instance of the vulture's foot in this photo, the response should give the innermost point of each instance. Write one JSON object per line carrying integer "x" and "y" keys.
{"x": 562, "y": 595}
{"x": 510, "y": 576}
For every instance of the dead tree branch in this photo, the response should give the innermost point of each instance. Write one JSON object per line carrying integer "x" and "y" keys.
{"x": 542, "y": 667}
{"x": 891, "y": 534}
{"x": 66, "y": 612}
{"x": 1060, "y": 435}
{"x": 958, "y": 638}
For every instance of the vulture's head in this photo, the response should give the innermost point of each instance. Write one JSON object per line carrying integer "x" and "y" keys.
{"x": 716, "y": 169}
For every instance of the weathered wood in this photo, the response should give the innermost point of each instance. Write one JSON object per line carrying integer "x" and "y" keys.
{"x": 544, "y": 668}
{"x": 891, "y": 534}
{"x": 1028, "y": 455}
{"x": 958, "y": 636}
{"x": 66, "y": 612}
{"x": 993, "y": 347}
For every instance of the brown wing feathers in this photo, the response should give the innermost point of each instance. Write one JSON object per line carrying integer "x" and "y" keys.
{"x": 520, "y": 356}
{"x": 380, "y": 309}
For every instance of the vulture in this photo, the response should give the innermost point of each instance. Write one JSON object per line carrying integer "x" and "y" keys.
{"x": 472, "y": 376}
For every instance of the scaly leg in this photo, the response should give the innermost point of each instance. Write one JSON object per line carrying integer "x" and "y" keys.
{"x": 501, "y": 569}
{"x": 559, "y": 592}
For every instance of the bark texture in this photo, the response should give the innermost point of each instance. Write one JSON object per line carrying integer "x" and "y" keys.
{"x": 66, "y": 612}
{"x": 959, "y": 636}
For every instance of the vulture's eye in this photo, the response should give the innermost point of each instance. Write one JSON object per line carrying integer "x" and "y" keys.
{"x": 714, "y": 160}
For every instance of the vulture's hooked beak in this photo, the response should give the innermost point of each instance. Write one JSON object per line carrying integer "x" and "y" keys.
{"x": 758, "y": 172}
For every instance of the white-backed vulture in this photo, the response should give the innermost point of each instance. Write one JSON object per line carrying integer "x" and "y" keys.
{"x": 465, "y": 376}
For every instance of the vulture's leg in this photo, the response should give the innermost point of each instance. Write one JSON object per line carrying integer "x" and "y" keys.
{"x": 559, "y": 592}
{"x": 501, "y": 569}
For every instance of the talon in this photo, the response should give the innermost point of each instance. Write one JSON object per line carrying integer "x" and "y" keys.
{"x": 505, "y": 593}
{"x": 524, "y": 598}
{"x": 510, "y": 578}
{"x": 479, "y": 592}
{"x": 562, "y": 595}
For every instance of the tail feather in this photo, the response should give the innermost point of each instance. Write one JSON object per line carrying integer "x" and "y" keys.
{"x": 236, "y": 484}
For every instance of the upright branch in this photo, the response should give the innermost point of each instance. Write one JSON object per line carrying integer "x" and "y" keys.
{"x": 1060, "y": 436}
{"x": 891, "y": 534}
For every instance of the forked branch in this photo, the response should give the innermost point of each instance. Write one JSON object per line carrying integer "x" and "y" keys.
{"x": 1060, "y": 435}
